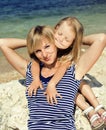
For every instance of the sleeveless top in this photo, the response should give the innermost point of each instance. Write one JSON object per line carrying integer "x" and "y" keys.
{"x": 42, "y": 115}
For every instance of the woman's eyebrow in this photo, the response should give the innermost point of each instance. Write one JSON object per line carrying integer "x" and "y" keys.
{"x": 36, "y": 50}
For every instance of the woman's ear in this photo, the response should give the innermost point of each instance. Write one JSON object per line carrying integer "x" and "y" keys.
{"x": 56, "y": 27}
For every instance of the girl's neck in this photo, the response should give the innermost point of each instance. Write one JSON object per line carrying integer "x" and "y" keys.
{"x": 64, "y": 52}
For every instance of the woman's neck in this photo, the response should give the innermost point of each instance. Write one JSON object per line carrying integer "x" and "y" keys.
{"x": 50, "y": 70}
{"x": 52, "y": 66}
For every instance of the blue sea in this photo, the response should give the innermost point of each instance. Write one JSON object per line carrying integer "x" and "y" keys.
{"x": 18, "y": 16}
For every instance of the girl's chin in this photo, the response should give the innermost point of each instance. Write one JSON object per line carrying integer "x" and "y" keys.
{"x": 59, "y": 46}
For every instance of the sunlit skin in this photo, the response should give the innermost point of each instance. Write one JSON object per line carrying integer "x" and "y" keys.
{"x": 46, "y": 52}
{"x": 64, "y": 36}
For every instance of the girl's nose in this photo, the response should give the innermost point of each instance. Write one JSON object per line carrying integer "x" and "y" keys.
{"x": 61, "y": 38}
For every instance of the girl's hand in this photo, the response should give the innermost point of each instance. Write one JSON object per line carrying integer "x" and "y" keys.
{"x": 51, "y": 94}
{"x": 32, "y": 89}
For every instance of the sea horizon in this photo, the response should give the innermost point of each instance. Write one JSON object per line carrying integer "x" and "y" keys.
{"x": 17, "y": 16}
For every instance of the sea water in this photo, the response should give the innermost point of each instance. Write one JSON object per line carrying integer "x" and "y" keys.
{"x": 18, "y": 16}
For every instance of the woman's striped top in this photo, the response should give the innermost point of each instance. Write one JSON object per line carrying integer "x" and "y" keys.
{"x": 43, "y": 116}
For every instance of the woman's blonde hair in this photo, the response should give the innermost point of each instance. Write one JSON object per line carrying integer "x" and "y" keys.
{"x": 35, "y": 35}
{"x": 75, "y": 48}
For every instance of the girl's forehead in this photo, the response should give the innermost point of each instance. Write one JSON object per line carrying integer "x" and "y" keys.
{"x": 65, "y": 27}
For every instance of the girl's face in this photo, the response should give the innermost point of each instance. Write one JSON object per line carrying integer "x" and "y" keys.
{"x": 46, "y": 52}
{"x": 64, "y": 36}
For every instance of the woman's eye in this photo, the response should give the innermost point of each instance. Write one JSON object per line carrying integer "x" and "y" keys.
{"x": 37, "y": 51}
{"x": 47, "y": 46}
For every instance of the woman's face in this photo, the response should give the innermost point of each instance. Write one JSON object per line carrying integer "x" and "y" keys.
{"x": 46, "y": 52}
{"x": 64, "y": 36}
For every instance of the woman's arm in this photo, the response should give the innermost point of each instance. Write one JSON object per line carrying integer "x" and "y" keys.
{"x": 90, "y": 39}
{"x": 8, "y": 46}
{"x": 88, "y": 59}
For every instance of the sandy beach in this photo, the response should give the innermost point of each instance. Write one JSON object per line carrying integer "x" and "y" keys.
{"x": 7, "y": 72}
{"x": 14, "y": 111}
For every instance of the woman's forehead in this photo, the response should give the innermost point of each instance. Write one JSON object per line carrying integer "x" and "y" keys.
{"x": 42, "y": 42}
{"x": 44, "y": 39}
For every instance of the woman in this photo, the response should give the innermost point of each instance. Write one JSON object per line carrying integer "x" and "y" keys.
{"x": 41, "y": 46}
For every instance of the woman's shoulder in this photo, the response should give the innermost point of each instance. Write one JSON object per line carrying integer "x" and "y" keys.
{"x": 72, "y": 72}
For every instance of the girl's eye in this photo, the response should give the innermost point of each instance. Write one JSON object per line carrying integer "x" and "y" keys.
{"x": 67, "y": 40}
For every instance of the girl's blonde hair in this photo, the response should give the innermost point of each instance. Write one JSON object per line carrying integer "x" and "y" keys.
{"x": 34, "y": 38}
{"x": 75, "y": 48}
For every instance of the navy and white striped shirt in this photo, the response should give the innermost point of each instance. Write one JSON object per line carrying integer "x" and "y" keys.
{"x": 44, "y": 116}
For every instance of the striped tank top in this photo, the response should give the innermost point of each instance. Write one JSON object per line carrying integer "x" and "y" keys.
{"x": 43, "y": 116}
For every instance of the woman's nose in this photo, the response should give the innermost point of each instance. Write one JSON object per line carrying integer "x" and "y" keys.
{"x": 44, "y": 53}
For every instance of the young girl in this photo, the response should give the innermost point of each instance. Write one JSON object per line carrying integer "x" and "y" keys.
{"x": 65, "y": 32}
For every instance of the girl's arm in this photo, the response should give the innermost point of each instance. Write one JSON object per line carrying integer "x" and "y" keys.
{"x": 88, "y": 59}
{"x": 8, "y": 46}
{"x": 36, "y": 83}
{"x": 51, "y": 91}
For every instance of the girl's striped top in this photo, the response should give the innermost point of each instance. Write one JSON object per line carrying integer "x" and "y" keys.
{"x": 43, "y": 116}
